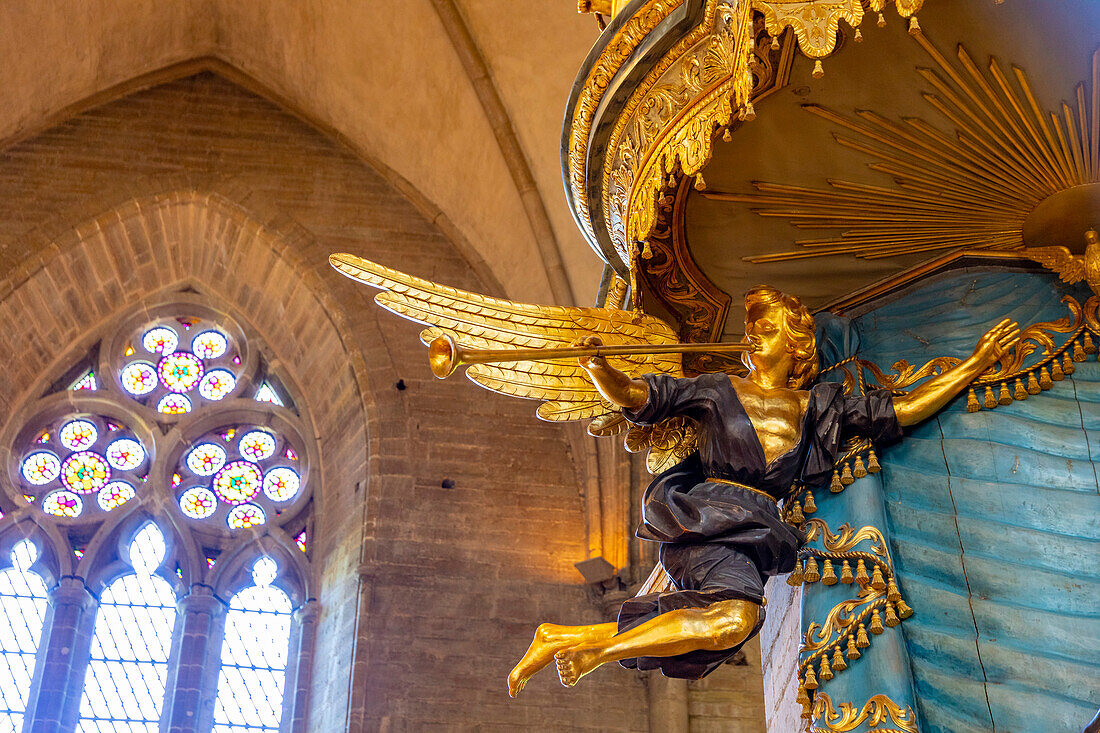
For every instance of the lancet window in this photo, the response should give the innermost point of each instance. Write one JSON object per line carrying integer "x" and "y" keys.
{"x": 158, "y": 497}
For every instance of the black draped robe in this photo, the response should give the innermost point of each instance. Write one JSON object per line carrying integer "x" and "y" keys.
{"x": 720, "y": 541}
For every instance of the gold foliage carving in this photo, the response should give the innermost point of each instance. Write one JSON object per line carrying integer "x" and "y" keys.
{"x": 878, "y": 711}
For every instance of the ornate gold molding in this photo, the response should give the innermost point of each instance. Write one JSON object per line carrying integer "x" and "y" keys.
{"x": 879, "y": 710}
{"x": 815, "y": 22}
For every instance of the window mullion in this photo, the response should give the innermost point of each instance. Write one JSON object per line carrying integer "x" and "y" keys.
{"x": 302, "y": 641}
{"x": 53, "y": 703}
{"x": 193, "y": 678}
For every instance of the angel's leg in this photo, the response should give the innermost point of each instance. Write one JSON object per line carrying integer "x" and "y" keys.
{"x": 721, "y": 625}
{"x": 549, "y": 640}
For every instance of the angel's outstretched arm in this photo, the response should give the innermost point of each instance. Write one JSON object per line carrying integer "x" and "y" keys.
{"x": 929, "y": 397}
{"x": 616, "y": 387}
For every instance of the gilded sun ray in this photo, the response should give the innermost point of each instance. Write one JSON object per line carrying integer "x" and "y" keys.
{"x": 972, "y": 189}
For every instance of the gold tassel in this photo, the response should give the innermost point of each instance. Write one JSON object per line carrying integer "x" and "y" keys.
{"x": 1045, "y": 381}
{"x": 876, "y": 623}
{"x": 826, "y": 670}
{"x": 904, "y": 611}
{"x": 794, "y": 516}
{"x": 802, "y": 697}
{"x": 807, "y": 710}
{"x": 819, "y": 70}
{"x": 839, "y": 664}
{"x": 862, "y": 642}
{"x": 795, "y": 578}
{"x": 861, "y": 573}
{"x": 972, "y": 401}
{"x": 858, "y": 470}
{"x": 872, "y": 462}
{"x": 1006, "y": 398}
{"x": 990, "y": 400}
{"x": 809, "y": 506}
{"x": 846, "y": 573}
{"x": 1090, "y": 347}
{"x": 891, "y": 616}
{"x": 914, "y": 26}
{"x": 853, "y": 651}
{"x": 1019, "y": 392}
{"x": 811, "y": 678}
{"x": 1032, "y": 384}
{"x": 892, "y": 593}
{"x": 811, "y": 575}
{"x": 877, "y": 582}
{"x": 1078, "y": 351}
{"x": 1056, "y": 371}
{"x": 846, "y": 474}
{"x": 828, "y": 575}
{"x": 1067, "y": 364}
{"x": 836, "y": 487}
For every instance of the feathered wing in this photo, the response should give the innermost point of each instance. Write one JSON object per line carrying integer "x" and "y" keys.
{"x": 483, "y": 322}
{"x": 1068, "y": 266}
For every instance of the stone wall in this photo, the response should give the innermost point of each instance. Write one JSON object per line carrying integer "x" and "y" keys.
{"x": 448, "y": 520}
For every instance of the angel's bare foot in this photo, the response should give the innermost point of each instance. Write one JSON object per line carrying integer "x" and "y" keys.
{"x": 549, "y": 640}
{"x": 576, "y": 662}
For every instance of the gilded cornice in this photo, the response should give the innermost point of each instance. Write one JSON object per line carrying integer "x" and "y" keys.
{"x": 659, "y": 110}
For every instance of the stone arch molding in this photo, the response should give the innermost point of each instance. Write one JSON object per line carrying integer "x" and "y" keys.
{"x": 72, "y": 293}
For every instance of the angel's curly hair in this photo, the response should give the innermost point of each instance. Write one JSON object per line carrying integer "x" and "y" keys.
{"x": 800, "y": 328}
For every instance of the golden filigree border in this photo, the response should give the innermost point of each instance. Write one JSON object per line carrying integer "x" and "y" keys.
{"x": 844, "y": 717}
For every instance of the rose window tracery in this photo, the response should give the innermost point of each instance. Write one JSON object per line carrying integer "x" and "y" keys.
{"x": 178, "y": 402}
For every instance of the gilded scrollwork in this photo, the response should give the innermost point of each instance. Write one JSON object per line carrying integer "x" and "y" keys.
{"x": 878, "y": 711}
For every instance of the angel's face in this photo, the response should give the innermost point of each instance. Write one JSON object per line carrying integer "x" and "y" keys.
{"x": 765, "y": 329}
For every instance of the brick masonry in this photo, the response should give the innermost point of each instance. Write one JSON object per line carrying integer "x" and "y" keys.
{"x": 427, "y": 594}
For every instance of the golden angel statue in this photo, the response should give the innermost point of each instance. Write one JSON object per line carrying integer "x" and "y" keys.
{"x": 728, "y": 448}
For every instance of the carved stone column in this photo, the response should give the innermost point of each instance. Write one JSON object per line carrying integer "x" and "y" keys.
{"x": 53, "y": 703}
{"x": 302, "y": 638}
{"x": 193, "y": 678}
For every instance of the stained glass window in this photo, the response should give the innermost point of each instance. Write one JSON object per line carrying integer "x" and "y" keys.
{"x": 118, "y": 439}
{"x": 254, "y": 656}
{"x": 23, "y": 605}
{"x": 124, "y": 684}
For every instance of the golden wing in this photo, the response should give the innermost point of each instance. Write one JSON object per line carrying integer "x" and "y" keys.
{"x": 1068, "y": 266}
{"x": 483, "y": 322}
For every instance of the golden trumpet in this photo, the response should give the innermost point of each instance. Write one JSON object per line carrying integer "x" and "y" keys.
{"x": 445, "y": 355}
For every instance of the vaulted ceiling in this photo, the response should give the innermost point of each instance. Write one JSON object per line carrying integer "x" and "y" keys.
{"x": 459, "y": 102}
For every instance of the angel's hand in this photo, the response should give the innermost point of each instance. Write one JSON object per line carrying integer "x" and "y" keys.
{"x": 590, "y": 362}
{"x": 996, "y": 341}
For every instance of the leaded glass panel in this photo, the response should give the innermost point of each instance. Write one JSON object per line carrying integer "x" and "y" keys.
{"x": 23, "y": 605}
{"x": 254, "y": 656}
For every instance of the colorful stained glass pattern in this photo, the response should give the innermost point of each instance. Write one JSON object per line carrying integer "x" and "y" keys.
{"x": 237, "y": 482}
{"x": 257, "y": 445}
{"x": 41, "y": 468}
{"x": 63, "y": 504}
{"x": 254, "y": 656}
{"x": 281, "y": 484}
{"x": 266, "y": 394}
{"x": 301, "y": 539}
{"x": 245, "y": 516}
{"x": 85, "y": 472}
{"x": 23, "y": 609}
{"x": 125, "y": 454}
{"x": 216, "y": 384}
{"x": 114, "y": 495}
{"x": 209, "y": 345}
{"x": 205, "y": 459}
{"x": 180, "y": 372}
{"x": 139, "y": 378}
{"x": 174, "y": 404}
{"x": 78, "y": 434}
{"x": 88, "y": 381}
{"x": 160, "y": 340}
{"x": 198, "y": 503}
{"x": 124, "y": 684}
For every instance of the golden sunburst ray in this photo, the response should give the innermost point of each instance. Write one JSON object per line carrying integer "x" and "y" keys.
{"x": 973, "y": 189}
